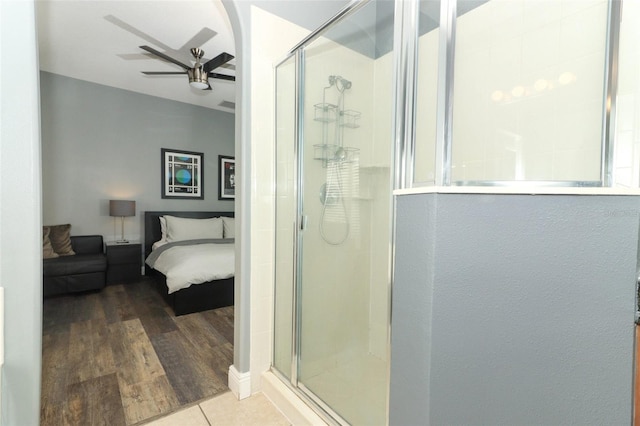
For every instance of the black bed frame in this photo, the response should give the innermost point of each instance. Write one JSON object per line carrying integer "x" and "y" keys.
{"x": 196, "y": 298}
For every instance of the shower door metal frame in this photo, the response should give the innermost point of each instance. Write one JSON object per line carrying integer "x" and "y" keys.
{"x": 295, "y": 190}
{"x": 405, "y": 75}
{"x": 614, "y": 18}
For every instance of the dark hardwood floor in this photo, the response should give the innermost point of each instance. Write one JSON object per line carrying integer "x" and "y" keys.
{"x": 120, "y": 356}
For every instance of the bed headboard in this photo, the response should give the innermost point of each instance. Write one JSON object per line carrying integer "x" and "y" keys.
{"x": 152, "y": 231}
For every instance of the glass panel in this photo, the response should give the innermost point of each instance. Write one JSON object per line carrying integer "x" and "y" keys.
{"x": 285, "y": 214}
{"x": 427, "y": 87}
{"x": 528, "y": 90}
{"x": 345, "y": 263}
{"x": 626, "y": 160}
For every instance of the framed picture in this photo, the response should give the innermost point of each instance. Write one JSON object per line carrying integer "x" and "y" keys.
{"x": 182, "y": 174}
{"x": 227, "y": 176}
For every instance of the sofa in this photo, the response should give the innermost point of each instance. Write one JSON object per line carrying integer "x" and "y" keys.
{"x": 84, "y": 270}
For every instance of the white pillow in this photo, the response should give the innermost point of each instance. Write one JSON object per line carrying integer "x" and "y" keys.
{"x": 163, "y": 228}
{"x": 229, "y": 227}
{"x": 163, "y": 231}
{"x": 180, "y": 228}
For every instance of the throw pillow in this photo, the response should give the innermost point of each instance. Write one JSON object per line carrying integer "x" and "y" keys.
{"x": 61, "y": 239}
{"x": 47, "y": 249}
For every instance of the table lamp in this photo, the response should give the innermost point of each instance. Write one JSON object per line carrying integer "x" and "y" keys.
{"x": 122, "y": 208}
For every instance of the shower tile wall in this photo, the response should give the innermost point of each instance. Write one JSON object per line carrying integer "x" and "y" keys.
{"x": 528, "y": 90}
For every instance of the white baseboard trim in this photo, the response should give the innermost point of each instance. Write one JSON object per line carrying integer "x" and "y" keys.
{"x": 293, "y": 408}
{"x": 239, "y": 383}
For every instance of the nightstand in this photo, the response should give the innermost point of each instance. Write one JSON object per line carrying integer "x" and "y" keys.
{"x": 124, "y": 262}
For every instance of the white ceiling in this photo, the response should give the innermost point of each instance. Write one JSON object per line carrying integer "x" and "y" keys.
{"x": 98, "y": 41}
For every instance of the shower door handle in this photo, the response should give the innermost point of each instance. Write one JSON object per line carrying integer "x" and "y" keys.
{"x": 303, "y": 222}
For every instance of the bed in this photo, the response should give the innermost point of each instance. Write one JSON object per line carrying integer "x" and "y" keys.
{"x": 194, "y": 298}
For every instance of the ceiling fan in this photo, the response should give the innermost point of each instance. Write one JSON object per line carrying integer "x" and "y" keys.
{"x": 198, "y": 74}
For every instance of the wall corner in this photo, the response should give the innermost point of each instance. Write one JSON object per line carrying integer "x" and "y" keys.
{"x": 239, "y": 383}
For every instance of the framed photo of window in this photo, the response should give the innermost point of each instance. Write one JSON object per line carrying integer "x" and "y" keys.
{"x": 227, "y": 178}
{"x": 182, "y": 174}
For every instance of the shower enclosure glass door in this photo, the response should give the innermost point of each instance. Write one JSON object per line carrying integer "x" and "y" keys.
{"x": 285, "y": 215}
{"x": 339, "y": 303}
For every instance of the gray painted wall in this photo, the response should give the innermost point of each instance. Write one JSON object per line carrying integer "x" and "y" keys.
{"x": 101, "y": 143}
{"x": 513, "y": 309}
{"x": 240, "y": 18}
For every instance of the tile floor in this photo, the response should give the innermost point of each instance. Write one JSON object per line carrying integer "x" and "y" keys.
{"x": 226, "y": 410}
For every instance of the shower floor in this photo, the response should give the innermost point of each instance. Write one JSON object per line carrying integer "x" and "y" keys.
{"x": 355, "y": 389}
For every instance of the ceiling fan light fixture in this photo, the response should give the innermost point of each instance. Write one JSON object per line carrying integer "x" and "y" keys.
{"x": 198, "y": 79}
{"x": 198, "y": 73}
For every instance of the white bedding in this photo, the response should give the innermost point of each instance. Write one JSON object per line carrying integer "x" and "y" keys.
{"x": 184, "y": 265}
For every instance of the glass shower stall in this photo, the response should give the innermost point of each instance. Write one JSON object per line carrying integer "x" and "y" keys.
{"x": 392, "y": 95}
{"x": 333, "y": 212}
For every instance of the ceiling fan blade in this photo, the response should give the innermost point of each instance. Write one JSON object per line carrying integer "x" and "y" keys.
{"x": 203, "y": 36}
{"x": 133, "y": 30}
{"x": 228, "y": 66}
{"x": 133, "y": 56}
{"x": 165, "y": 57}
{"x": 222, "y": 76}
{"x": 214, "y": 63}
{"x": 163, "y": 72}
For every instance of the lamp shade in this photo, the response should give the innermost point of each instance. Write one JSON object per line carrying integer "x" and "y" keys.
{"x": 122, "y": 208}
